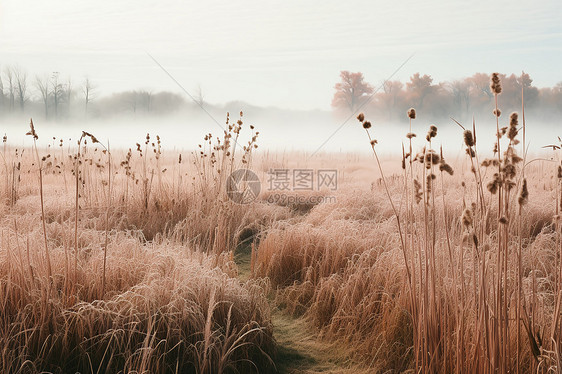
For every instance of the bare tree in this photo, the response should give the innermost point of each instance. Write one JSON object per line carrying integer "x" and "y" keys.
{"x": 69, "y": 93}
{"x": 8, "y": 71}
{"x": 57, "y": 92}
{"x": 20, "y": 76}
{"x": 132, "y": 100}
{"x": 88, "y": 90}
{"x": 146, "y": 99}
{"x": 42, "y": 85}
{"x": 460, "y": 90}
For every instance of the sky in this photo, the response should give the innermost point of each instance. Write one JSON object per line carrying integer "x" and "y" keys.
{"x": 286, "y": 54}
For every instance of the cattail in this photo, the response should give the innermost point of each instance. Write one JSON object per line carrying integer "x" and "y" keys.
{"x": 513, "y": 123}
{"x": 468, "y": 138}
{"x": 412, "y": 113}
{"x": 559, "y": 172}
{"x": 366, "y": 125}
{"x": 431, "y": 158}
{"x": 497, "y": 113}
{"x": 509, "y": 171}
{"x": 490, "y": 162}
{"x": 470, "y": 152}
{"x": 418, "y": 194}
{"x": 446, "y": 167}
{"x": 524, "y": 195}
{"x": 429, "y": 179}
{"x": 495, "y": 84}
{"x": 494, "y": 184}
{"x": 361, "y": 117}
{"x": 466, "y": 218}
{"x": 432, "y": 133}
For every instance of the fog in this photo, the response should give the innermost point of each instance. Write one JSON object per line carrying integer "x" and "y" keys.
{"x": 280, "y": 61}
{"x": 314, "y": 132}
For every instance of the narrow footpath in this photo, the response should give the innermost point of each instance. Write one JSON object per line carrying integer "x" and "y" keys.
{"x": 299, "y": 351}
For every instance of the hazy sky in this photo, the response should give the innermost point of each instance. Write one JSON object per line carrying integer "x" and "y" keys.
{"x": 280, "y": 53}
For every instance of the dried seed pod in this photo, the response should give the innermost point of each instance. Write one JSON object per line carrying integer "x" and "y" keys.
{"x": 412, "y": 113}
{"x": 495, "y": 84}
{"x": 524, "y": 194}
{"x": 466, "y": 218}
{"x": 468, "y": 138}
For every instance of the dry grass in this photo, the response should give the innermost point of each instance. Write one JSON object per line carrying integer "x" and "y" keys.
{"x": 434, "y": 273}
{"x": 108, "y": 267}
{"x": 410, "y": 269}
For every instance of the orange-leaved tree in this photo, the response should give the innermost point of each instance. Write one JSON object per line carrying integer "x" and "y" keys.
{"x": 351, "y": 91}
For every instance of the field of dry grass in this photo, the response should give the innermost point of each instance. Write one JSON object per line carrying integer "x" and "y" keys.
{"x": 136, "y": 260}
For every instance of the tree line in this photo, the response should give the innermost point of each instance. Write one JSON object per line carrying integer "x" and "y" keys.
{"x": 57, "y": 97}
{"x": 459, "y": 99}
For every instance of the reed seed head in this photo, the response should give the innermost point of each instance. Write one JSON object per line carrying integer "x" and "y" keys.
{"x": 446, "y": 167}
{"x": 418, "y": 193}
{"x": 494, "y": 184}
{"x": 412, "y": 113}
{"x": 497, "y": 113}
{"x": 366, "y": 125}
{"x": 495, "y": 84}
{"x": 431, "y": 158}
{"x": 361, "y": 117}
{"x": 490, "y": 162}
{"x": 32, "y": 130}
{"x": 467, "y": 218}
{"x": 524, "y": 195}
{"x": 468, "y": 138}
{"x": 432, "y": 133}
{"x": 513, "y": 124}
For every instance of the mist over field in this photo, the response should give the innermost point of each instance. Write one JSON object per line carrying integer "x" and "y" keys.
{"x": 280, "y": 131}
{"x": 219, "y": 187}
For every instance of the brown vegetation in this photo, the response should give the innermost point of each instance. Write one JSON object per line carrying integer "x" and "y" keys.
{"x": 123, "y": 261}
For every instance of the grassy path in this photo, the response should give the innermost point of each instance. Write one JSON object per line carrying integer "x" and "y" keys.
{"x": 299, "y": 351}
